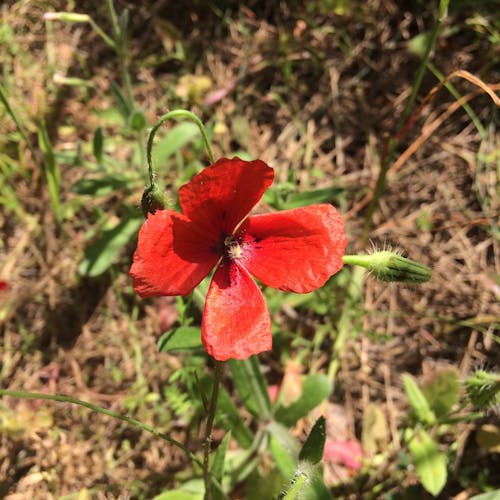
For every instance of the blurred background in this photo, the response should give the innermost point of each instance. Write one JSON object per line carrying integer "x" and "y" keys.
{"x": 317, "y": 90}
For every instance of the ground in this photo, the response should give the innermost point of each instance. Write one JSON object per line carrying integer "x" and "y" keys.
{"x": 317, "y": 91}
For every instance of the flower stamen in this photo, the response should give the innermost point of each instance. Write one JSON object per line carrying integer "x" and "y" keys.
{"x": 233, "y": 249}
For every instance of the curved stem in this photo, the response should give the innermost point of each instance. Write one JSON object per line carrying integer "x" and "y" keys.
{"x": 176, "y": 113}
{"x": 104, "y": 411}
{"x": 208, "y": 430}
{"x": 124, "y": 418}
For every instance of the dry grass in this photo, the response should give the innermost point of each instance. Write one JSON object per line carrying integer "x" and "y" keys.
{"x": 317, "y": 94}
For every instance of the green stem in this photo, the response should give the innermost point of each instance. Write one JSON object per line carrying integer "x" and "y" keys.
{"x": 295, "y": 489}
{"x": 17, "y": 121}
{"x": 387, "y": 161}
{"x": 124, "y": 418}
{"x": 114, "y": 18}
{"x": 208, "y": 430}
{"x": 176, "y": 113}
{"x": 104, "y": 411}
{"x": 108, "y": 40}
{"x": 454, "y": 92}
{"x": 357, "y": 260}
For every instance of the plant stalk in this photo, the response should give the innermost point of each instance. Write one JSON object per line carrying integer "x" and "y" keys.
{"x": 208, "y": 430}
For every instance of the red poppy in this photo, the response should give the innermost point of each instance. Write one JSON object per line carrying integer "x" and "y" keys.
{"x": 294, "y": 250}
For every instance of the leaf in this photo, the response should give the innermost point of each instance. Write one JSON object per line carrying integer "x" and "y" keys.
{"x": 184, "y": 337}
{"x": 295, "y": 200}
{"x": 227, "y": 415}
{"x": 442, "y": 390}
{"x": 52, "y": 172}
{"x": 316, "y": 388}
{"x": 251, "y": 386}
{"x": 284, "y": 448}
{"x": 97, "y": 145}
{"x": 488, "y": 438}
{"x": 101, "y": 254}
{"x": 101, "y": 186}
{"x": 174, "y": 140}
{"x": 374, "y": 433}
{"x": 491, "y": 495}
{"x": 190, "y": 490}
{"x": 417, "y": 400}
{"x": 121, "y": 102}
{"x": 312, "y": 450}
{"x": 217, "y": 469}
{"x": 429, "y": 463}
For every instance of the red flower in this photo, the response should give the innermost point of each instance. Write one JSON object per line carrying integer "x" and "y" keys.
{"x": 294, "y": 250}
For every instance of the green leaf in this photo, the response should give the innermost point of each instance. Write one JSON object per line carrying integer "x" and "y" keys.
{"x": 190, "y": 490}
{"x": 121, "y": 102}
{"x": 101, "y": 186}
{"x": 174, "y": 140}
{"x": 312, "y": 450}
{"x": 184, "y": 337}
{"x": 97, "y": 145}
{"x": 284, "y": 448}
{"x": 217, "y": 468}
{"x": 491, "y": 495}
{"x": 429, "y": 463}
{"x": 326, "y": 195}
{"x": 228, "y": 416}
{"x": 442, "y": 390}
{"x": 101, "y": 254}
{"x": 315, "y": 389}
{"x": 137, "y": 120}
{"x": 52, "y": 172}
{"x": 251, "y": 386}
{"x": 418, "y": 402}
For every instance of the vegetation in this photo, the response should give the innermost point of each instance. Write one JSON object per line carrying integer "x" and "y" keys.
{"x": 388, "y": 110}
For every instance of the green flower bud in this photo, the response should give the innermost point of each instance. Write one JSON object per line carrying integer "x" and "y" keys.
{"x": 153, "y": 199}
{"x": 483, "y": 389}
{"x": 70, "y": 17}
{"x": 390, "y": 266}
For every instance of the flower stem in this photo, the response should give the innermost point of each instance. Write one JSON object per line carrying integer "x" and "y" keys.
{"x": 209, "y": 427}
{"x": 176, "y": 113}
{"x": 104, "y": 411}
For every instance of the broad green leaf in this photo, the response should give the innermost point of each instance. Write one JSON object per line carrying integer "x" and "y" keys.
{"x": 442, "y": 390}
{"x": 100, "y": 255}
{"x": 296, "y": 200}
{"x": 184, "y": 337}
{"x": 101, "y": 186}
{"x": 491, "y": 495}
{"x": 251, "y": 386}
{"x": 284, "y": 448}
{"x": 217, "y": 469}
{"x": 312, "y": 450}
{"x": 174, "y": 140}
{"x": 417, "y": 400}
{"x": 315, "y": 389}
{"x": 190, "y": 490}
{"x": 429, "y": 463}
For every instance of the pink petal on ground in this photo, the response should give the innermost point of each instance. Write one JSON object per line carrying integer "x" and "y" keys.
{"x": 348, "y": 453}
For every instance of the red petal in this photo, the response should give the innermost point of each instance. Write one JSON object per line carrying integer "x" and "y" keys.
{"x": 173, "y": 255}
{"x": 294, "y": 250}
{"x": 236, "y": 322}
{"x": 223, "y": 194}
